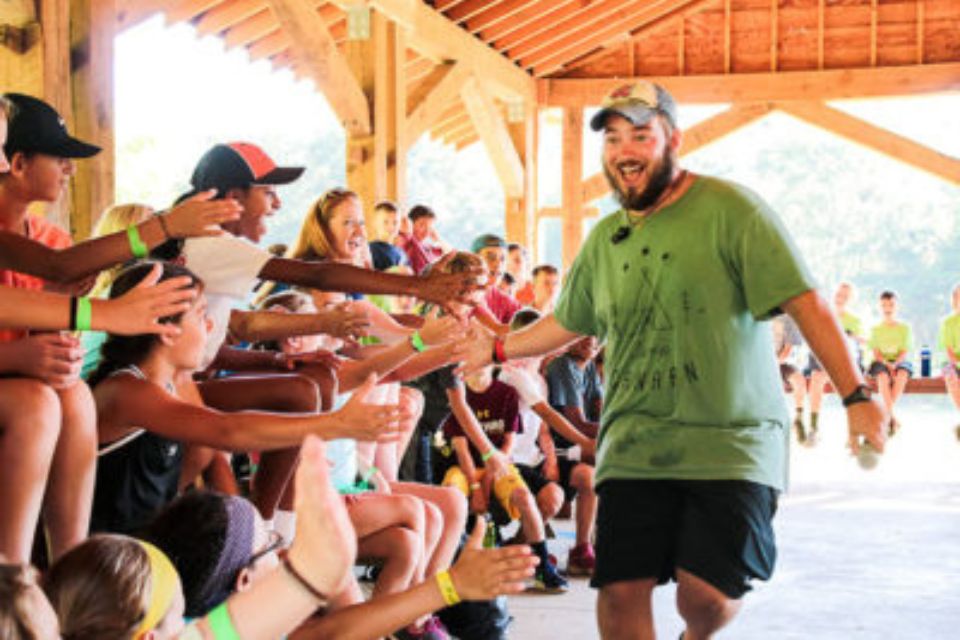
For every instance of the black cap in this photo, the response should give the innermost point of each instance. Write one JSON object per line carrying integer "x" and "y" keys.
{"x": 35, "y": 126}
{"x": 239, "y": 164}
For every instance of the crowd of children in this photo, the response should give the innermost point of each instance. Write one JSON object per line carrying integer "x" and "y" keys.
{"x": 143, "y": 369}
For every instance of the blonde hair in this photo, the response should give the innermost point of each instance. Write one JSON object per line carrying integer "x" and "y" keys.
{"x": 313, "y": 241}
{"x": 100, "y": 588}
{"x": 16, "y": 617}
{"x": 114, "y": 219}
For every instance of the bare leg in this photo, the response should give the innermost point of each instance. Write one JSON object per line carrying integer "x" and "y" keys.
{"x": 581, "y": 478}
{"x": 818, "y": 379}
{"x": 453, "y": 511}
{"x": 703, "y": 607}
{"x": 69, "y": 498}
{"x": 625, "y": 610}
{"x": 400, "y": 549}
{"x": 953, "y": 387}
{"x": 899, "y": 384}
{"x": 30, "y": 421}
{"x": 883, "y": 385}
{"x": 799, "y": 385}
{"x": 281, "y": 393}
{"x": 530, "y": 518}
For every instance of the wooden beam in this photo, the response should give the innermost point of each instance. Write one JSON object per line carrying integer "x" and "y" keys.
{"x": 432, "y": 35}
{"x": 831, "y": 84}
{"x": 528, "y": 22}
{"x": 920, "y": 34}
{"x": 774, "y": 32}
{"x": 92, "y": 32}
{"x": 821, "y": 28}
{"x": 695, "y": 138}
{"x": 492, "y": 129}
{"x": 873, "y": 33}
{"x": 727, "y": 23}
{"x": 572, "y": 173}
{"x": 631, "y": 18}
{"x": 467, "y": 9}
{"x": 498, "y": 12}
{"x": 876, "y": 138}
{"x": 428, "y": 102}
{"x": 469, "y": 141}
{"x": 316, "y": 50}
{"x": 251, "y": 29}
{"x": 390, "y": 113}
{"x": 183, "y": 10}
{"x": 681, "y": 46}
{"x": 582, "y": 21}
{"x": 228, "y": 14}
{"x": 132, "y": 12}
{"x": 520, "y": 218}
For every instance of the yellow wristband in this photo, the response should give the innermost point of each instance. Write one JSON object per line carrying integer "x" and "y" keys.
{"x": 447, "y": 590}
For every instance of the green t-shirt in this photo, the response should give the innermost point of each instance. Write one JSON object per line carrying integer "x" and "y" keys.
{"x": 891, "y": 339}
{"x": 851, "y": 324}
{"x": 949, "y": 335}
{"x": 693, "y": 388}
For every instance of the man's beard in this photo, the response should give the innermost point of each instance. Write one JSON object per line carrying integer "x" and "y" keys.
{"x": 657, "y": 183}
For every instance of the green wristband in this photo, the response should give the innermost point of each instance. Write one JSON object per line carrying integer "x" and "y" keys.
{"x": 416, "y": 341}
{"x": 487, "y": 455}
{"x": 137, "y": 247}
{"x": 221, "y": 624}
{"x": 84, "y": 319}
{"x": 369, "y": 474}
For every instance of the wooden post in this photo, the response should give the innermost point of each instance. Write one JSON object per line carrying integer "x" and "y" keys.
{"x": 572, "y": 183}
{"x": 521, "y": 212}
{"x": 91, "y": 80}
{"x": 376, "y": 164}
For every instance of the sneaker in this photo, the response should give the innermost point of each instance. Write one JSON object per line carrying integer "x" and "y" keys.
{"x": 813, "y": 438}
{"x": 801, "y": 431}
{"x": 893, "y": 427}
{"x": 581, "y": 560}
{"x": 547, "y": 580}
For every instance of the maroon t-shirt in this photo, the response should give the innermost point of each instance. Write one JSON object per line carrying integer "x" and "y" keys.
{"x": 501, "y": 305}
{"x": 497, "y": 410}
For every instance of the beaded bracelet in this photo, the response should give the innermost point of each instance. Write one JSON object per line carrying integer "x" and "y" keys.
{"x": 296, "y": 575}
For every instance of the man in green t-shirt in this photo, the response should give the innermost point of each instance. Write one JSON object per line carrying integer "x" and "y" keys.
{"x": 853, "y": 329}
{"x": 692, "y": 450}
{"x": 949, "y": 343}
{"x": 891, "y": 342}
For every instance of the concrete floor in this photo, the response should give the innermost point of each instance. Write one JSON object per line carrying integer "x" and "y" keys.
{"x": 863, "y": 554}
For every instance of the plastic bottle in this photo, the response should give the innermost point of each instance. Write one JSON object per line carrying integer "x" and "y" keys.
{"x": 925, "y": 358}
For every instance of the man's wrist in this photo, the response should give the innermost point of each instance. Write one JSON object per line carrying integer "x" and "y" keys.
{"x": 861, "y": 393}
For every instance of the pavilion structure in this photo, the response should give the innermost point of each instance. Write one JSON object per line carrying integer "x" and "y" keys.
{"x": 464, "y": 71}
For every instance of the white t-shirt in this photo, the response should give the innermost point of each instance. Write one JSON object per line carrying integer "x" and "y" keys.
{"x": 228, "y": 266}
{"x": 526, "y": 449}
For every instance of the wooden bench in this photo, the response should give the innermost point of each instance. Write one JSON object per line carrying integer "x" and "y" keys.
{"x": 914, "y": 385}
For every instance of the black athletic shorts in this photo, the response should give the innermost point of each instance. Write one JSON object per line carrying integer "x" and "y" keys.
{"x": 877, "y": 367}
{"x": 719, "y": 530}
{"x": 535, "y": 479}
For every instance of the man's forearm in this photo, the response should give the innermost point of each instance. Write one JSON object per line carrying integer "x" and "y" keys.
{"x": 542, "y": 337}
{"x": 822, "y": 332}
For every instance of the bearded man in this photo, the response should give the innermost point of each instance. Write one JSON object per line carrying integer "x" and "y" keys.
{"x": 692, "y": 451}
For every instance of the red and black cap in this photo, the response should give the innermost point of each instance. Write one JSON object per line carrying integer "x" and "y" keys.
{"x": 239, "y": 164}
{"x": 36, "y": 127}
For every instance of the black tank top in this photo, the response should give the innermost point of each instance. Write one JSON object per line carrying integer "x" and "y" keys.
{"x": 137, "y": 476}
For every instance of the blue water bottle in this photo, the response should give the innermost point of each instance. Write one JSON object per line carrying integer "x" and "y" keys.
{"x": 925, "y": 357}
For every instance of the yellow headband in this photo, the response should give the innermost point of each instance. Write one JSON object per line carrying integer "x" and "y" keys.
{"x": 163, "y": 585}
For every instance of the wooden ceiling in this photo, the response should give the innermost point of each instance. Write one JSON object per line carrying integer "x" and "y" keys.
{"x": 565, "y": 39}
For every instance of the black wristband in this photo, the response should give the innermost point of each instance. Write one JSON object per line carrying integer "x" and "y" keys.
{"x": 861, "y": 394}
{"x": 73, "y": 313}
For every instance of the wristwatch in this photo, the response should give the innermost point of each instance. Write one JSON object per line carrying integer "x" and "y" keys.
{"x": 861, "y": 394}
